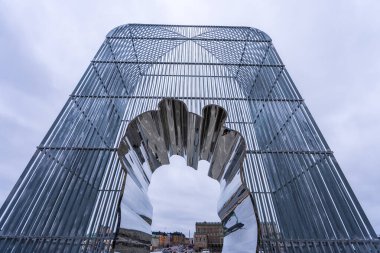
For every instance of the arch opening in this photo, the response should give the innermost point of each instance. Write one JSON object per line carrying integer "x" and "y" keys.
{"x": 153, "y": 136}
{"x": 181, "y": 196}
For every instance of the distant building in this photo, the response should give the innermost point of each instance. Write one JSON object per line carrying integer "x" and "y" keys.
{"x": 155, "y": 242}
{"x": 132, "y": 241}
{"x": 177, "y": 238}
{"x": 200, "y": 241}
{"x": 163, "y": 240}
{"x": 208, "y": 235}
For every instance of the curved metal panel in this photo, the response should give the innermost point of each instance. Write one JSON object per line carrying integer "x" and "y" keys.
{"x": 153, "y": 136}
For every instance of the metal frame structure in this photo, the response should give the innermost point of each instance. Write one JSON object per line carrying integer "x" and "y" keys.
{"x": 66, "y": 199}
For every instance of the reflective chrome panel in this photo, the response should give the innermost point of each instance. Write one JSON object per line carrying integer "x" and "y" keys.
{"x": 153, "y": 136}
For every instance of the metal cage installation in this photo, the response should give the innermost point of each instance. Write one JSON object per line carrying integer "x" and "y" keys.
{"x": 67, "y": 198}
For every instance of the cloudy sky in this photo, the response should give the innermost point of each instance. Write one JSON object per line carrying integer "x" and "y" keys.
{"x": 330, "y": 48}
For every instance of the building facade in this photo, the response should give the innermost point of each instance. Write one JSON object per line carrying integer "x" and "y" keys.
{"x": 208, "y": 235}
{"x": 160, "y": 240}
{"x": 73, "y": 184}
{"x": 164, "y": 240}
{"x": 155, "y": 242}
{"x": 177, "y": 238}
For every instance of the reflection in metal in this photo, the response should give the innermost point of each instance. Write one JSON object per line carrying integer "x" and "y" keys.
{"x": 152, "y": 137}
{"x": 68, "y": 196}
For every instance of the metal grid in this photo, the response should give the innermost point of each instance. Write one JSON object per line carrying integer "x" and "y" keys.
{"x": 67, "y": 198}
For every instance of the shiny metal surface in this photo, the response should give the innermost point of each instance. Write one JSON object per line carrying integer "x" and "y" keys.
{"x": 68, "y": 197}
{"x": 153, "y": 136}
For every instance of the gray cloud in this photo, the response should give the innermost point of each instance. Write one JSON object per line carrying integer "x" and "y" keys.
{"x": 330, "y": 48}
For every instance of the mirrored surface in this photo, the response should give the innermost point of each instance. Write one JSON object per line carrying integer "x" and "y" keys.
{"x": 152, "y": 137}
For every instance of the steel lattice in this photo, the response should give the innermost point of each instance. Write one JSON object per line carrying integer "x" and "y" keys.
{"x": 66, "y": 199}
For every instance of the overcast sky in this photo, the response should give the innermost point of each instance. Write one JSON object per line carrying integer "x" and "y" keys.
{"x": 330, "y": 48}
